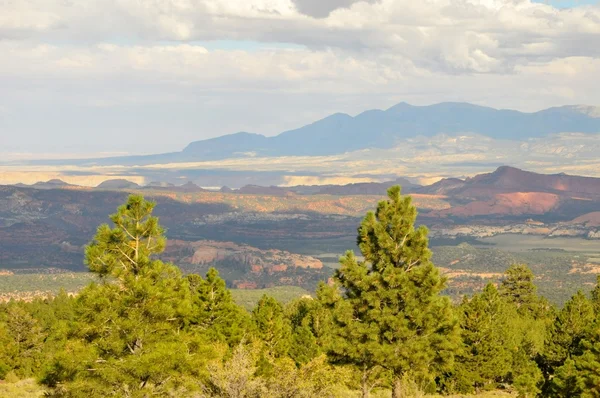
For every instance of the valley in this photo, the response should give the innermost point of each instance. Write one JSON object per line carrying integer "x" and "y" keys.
{"x": 263, "y": 237}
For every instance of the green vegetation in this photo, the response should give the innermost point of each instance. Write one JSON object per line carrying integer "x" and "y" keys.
{"x": 30, "y": 286}
{"x": 141, "y": 328}
{"x": 248, "y": 298}
{"x": 390, "y": 314}
{"x": 558, "y": 274}
{"x": 26, "y": 286}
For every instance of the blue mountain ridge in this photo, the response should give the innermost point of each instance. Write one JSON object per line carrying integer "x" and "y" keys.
{"x": 341, "y": 133}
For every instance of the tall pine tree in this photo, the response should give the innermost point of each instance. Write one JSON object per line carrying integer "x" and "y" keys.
{"x": 131, "y": 336}
{"x": 214, "y": 312}
{"x": 571, "y": 325}
{"x": 487, "y": 355}
{"x": 392, "y": 314}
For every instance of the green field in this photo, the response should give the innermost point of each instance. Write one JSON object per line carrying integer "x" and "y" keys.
{"x": 25, "y": 286}
{"x": 515, "y": 243}
{"x": 284, "y": 294}
{"x": 559, "y": 273}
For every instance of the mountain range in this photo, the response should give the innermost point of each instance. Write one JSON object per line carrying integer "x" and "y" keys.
{"x": 341, "y": 133}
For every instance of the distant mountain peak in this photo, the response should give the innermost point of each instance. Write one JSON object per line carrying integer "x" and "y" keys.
{"x": 50, "y": 184}
{"x": 118, "y": 183}
{"x": 56, "y": 181}
{"x": 400, "y": 106}
{"x": 508, "y": 169}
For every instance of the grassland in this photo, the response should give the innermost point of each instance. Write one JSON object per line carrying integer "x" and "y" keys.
{"x": 284, "y": 294}
{"x": 21, "y": 389}
{"x": 27, "y": 286}
{"x": 561, "y": 266}
{"x": 519, "y": 243}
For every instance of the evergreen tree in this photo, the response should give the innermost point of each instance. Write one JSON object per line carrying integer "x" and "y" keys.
{"x": 214, "y": 311}
{"x": 5, "y": 356}
{"x": 571, "y": 325}
{"x": 596, "y": 296}
{"x": 564, "y": 382}
{"x": 580, "y": 375}
{"x": 272, "y": 327}
{"x": 487, "y": 338}
{"x": 518, "y": 288}
{"x": 305, "y": 315}
{"x": 131, "y": 330}
{"x": 22, "y": 343}
{"x": 303, "y": 348}
{"x": 588, "y": 365}
{"x": 526, "y": 376}
{"x": 392, "y": 314}
{"x": 528, "y": 327}
{"x": 127, "y": 249}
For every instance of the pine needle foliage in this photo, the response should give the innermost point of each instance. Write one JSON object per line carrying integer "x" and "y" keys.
{"x": 392, "y": 314}
{"x": 128, "y": 247}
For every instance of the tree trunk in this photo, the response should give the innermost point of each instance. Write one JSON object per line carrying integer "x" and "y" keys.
{"x": 365, "y": 383}
{"x": 397, "y": 388}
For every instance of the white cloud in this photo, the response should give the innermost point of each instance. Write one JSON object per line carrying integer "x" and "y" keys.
{"x": 347, "y": 55}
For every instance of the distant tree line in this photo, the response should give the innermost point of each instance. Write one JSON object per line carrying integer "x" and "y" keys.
{"x": 144, "y": 329}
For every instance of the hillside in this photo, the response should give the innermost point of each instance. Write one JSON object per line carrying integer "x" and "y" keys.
{"x": 509, "y": 191}
{"x": 510, "y": 179}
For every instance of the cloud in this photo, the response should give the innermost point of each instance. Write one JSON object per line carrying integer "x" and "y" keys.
{"x": 322, "y": 9}
{"x": 156, "y": 65}
{"x": 454, "y": 36}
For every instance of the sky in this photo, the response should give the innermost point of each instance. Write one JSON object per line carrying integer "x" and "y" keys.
{"x": 103, "y": 77}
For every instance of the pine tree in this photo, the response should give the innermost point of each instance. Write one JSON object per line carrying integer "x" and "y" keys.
{"x": 571, "y": 325}
{"x": 127, "y": 249}
{"x": 214, "y": 311}
{"x": 580, "y": 375}
{"x": 303, "y": 347}
{"x": 487, "y": 355}
{"x": 305, "y": 315}
{"x": 392, "y": 314}
{"x": 132, "y": 329}
{"x": 518, "y": 288}
{"x": 5, "y": 356}
{"x": 23, "y": 341}
{"x": 564, "y": 381}
{"x": 588, "y": 365}
{"x": 528, "y": 327}
{"x": 272, "y": 327}
{"x": 596, "y": 296}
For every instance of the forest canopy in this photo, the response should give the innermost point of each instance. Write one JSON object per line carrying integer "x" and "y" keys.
{"x": 382, "y": 325}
